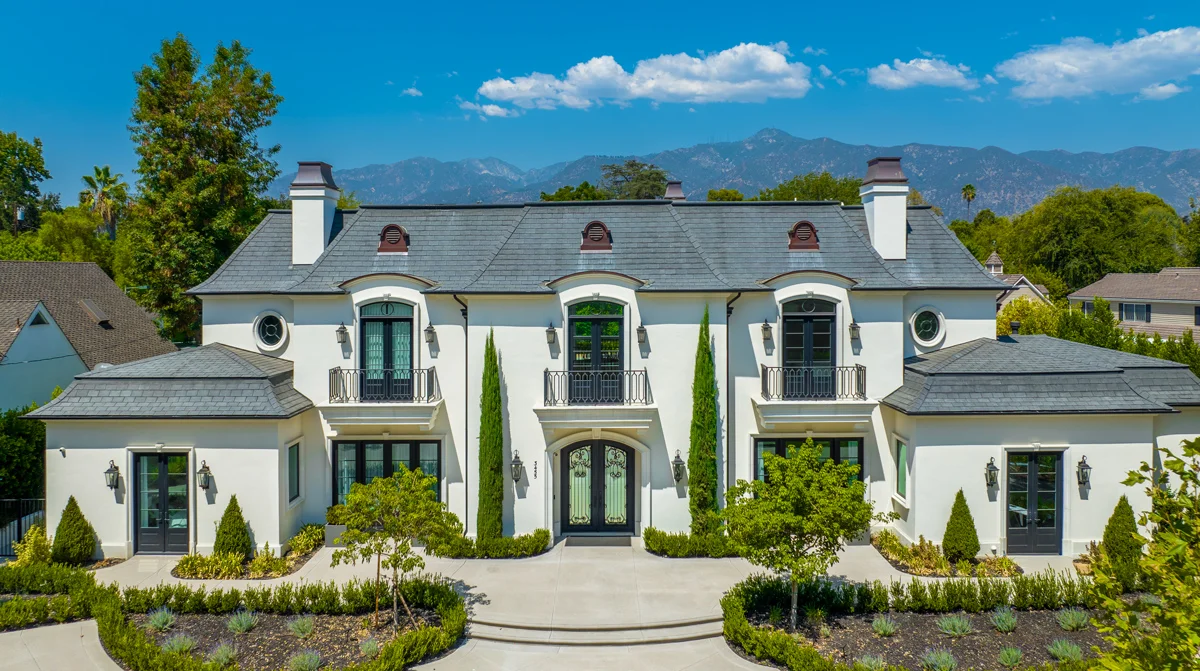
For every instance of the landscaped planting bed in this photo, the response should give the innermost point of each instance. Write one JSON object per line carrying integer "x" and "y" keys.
{"x": 927, "y": 558}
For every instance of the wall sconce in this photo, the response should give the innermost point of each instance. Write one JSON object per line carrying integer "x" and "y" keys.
{"x": 517, "y": 466}
{"x": 992, "y": 474}
{"x": 677, "y": 467}
{"x": 1083, "y": 472}
{"x": 766, "y": 331}
{"x": 111, "y": 475}
{"x": 641, "y": 334}
{"x": 204, "y": 476}
{"x": 550, "y": 333}
{"x": 343, "y": 336}
{"x": 855, "y": 331}
{"x": 430, "y": 334}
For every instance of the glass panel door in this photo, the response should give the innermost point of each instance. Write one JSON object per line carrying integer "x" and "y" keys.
{"x": 809, "y": 354}
{"x": 401, "y": 360}
{"x": 372, "y": 461}
{"x": 616, "y": 472}
{"x": 150, "y": 532}
{"x": 579, "y": 487}
{"x": 345, "y": 469}
{"x": 597, "y": 486}
{"x": 1034, "y": 499}
{"x": 162, "y": 503}
{"x": 373, "y": 369}
{"x": 176, "y": 485}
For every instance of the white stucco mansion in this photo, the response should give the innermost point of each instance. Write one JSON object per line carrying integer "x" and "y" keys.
{"x": 341, "y": 343}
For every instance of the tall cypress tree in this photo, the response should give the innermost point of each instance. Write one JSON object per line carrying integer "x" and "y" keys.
{"x": 490, "y": 516}
{"x": 702, "y": 453}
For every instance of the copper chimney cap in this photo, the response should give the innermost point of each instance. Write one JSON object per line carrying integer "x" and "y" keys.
{"x": 674, "y": 190}
{"x": 314, "y": 173}
{"x": 885, "y": 170}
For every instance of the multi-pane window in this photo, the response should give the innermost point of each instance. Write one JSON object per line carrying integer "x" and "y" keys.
{"x": 1135, "y": 312}
{"x": 596, "y": 356}
{"x": 901, "y": 469}
{"x": 841, "y": 450}
{"x": 363, "y": 461}
{"x": 1088, "y": 307}
{"x": 293, "y": 455}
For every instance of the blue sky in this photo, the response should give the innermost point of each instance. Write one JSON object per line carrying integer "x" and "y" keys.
{"x": 537, "y": 83}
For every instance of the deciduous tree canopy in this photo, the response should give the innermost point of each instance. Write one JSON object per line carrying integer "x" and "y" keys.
{"x": 22, "y": 168}
{"x": 815, "y": 186}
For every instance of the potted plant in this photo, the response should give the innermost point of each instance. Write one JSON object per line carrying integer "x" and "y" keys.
{"x": 335, "y": 525}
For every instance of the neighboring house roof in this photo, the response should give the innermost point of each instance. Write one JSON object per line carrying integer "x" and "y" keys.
{"x": 1015, "y": 280}
{"x": 993, "y": 260}
{"x": 1030, "y": 375}
{"x": 668, "y": 245}
{"x": 210, "y": 382}
{"x": 13, "y": 316}
{"x": 1169, "y": 284}
{"x": 102, "y": 324}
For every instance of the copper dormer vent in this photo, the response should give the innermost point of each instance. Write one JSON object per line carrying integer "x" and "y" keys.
{"x": 803, "y": 236}
{"x": 393, "y": 239}
{"x": 596, "y": 238}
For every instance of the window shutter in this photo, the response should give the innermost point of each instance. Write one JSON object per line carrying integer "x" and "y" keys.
{"x": 1147, "y": 313}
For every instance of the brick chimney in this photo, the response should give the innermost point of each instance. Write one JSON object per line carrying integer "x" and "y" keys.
{"x": 314, "y": 202}
{"x": 885, "y": 198}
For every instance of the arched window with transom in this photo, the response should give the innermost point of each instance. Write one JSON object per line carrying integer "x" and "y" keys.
{"x": 596, "y": 351}
{"x": 386, "y": 351}
{"x": 809, "y": 348}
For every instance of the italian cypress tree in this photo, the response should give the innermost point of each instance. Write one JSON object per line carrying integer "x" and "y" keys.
{"x": 960, "y": 540}
{"x": 74, "y": 539}
{"x": 490, "y": 516}
{"x": 1122, "y": 544}
{"x": 233, "y": 536}
{"x": 702, "y": 452}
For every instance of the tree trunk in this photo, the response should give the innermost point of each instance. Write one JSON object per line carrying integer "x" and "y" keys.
{"x": 395, "y": 593}
{"x": 377, "y": 569}
{"x": 795, "y": 596}
{"x": 408, "y": 610}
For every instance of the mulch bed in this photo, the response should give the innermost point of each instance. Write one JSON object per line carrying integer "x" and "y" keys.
{"x": 104, "y": 563}
{"x": 293, "y": 566}
{"x": 851, "y": 637}
{"x": 905, "y": 568}
{"x": 269, "y": 645}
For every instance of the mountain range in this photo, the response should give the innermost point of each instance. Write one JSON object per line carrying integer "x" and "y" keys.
{"x": 1004, "y": 181}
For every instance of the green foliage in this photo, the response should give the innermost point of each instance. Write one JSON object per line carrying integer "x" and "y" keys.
{"x": 730, "y": 195}
{"x": 1122, "y": 544}
{"x": 33, "y": 548}
{"x": 242, "y": 622}
{"x": 870, "y": 663}
{"x": 884, "y": 626}
{"x": 634, "y": 180}
{"x": 369, "y": 648}
{"x": 348, "y": 200}
{"x": 584, "y": 191}
{"x": 225, "y": 654}
{"x": 218, "y": 565}
{"x": 42, "y": 579}
{"x": 1072, "y": 619}
{"x": 307, "y": 539}
{"x": 335, "y": 514}
{"x": 458, "y": 546}
{"x": 301, "y": 626}
{"x": 71, "y": 235}
{"x": 305, "y": 660}
{"x": 1004, "y": 620}
{"x": 678, "y": 545}
{"x": 1010, "y": 657}
{"x": 24, "y": 247}
{"x": 960, "y": 542}
{"x": 22, "y": 454}
{"x": 702, "y": 448}
{"x": 968, "y": 195}
{"x": 816, "y": 186}
{"x": 1159, "y": 632}
{"x": 490, "y": 516}
{"x": 161, "y": 619}
{"x": 266, "y": 565}
{"x": 200, "y": 170}
{"x": 938, "y": 659}
{"x": 233, "y": 535}
{"x": 74, "y": 539}
{"x": 180, "y": 644}
{"x": 1064, "y": 650}
{"x": 22, "y": 168}
{"x": 955, "y": 626}
{"x": 106, "y": 196}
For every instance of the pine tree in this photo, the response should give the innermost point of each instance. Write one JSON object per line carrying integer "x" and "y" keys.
{"x": 1122, "y": 544}
{"x": 702, "y": 451}
{"x": 960, "y": 540}
{"x": 490, "y": 516}
{"x": 74, "y": 539}
{"x": 233, "y": 536}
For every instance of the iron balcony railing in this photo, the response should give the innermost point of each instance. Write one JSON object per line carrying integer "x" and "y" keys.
{"x": 383, "y": 385}
{"x": 815, "y": 383}
{"x": 597, "y": 387}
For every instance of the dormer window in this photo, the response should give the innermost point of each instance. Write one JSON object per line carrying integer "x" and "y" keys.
{"x": 393, "y": 239}
{"x": 596, "y": 238}
{"x": 803, "y": 236}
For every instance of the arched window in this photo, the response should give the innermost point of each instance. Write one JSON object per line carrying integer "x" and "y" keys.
{"x": 386, "y": 351}
{"x": 596, "y": 351}
{"x": 596, "y": 238}
{"x": 809, "y": 348}
{"x": 393, "y": 239}
{"x": 803, "y": 236}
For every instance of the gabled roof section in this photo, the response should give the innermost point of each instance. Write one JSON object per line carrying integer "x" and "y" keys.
{"x": 1169, "y": 284}
{"x": 13, "y": 316}
{"x": 75, "y": 294}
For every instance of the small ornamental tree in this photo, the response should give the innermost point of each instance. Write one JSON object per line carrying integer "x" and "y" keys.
{"x": 797, "y": 518}
{"x": 74, "y": 539}
{"x": 489, "y": 519}
{"x": 233, "y": 536}
{"x": 702, "y": 450}
{"x": 1161, "y": 631}
{"x": 1122, "y": 544}
{"x": 383, "y": 521}
{"x": 960, "y": 541}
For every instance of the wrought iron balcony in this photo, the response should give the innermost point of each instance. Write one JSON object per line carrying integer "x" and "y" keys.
{"x": 597, "y": 387}
{"x": 383, "y": 385}
{"x": 814, "y": 383}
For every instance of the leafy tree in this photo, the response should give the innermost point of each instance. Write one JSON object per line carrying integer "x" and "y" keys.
{"x": 915, "y": 198}
{"x": 200, "y": 171}
{"x": 702, "y": 450}
{"x": 21, "y": 169}
{"x": 1036, "y": 317}
{"x": 1122, "y": 544}
{"x": 24, "y": 246}
{"x": 22, "y": 455}
{"x": 72, "y": 235}
{"x": 796, "y": 519}
{"x": 1160, "y": 632}
{"x": 961, "y": 541}
{"x": 490, "y": 516}
{"x": 1189, "y": 235}
{"x": 725, "y": 194}
{"x": 347, "y": 200}
{"x": 74, "y": 539}
{"x": 383, "y": 521}
{"x": 634, "y": 180}
{"x": 233, "y": 534}
{"x": 816, "y": 186}
{"x": 968, "y": 194}
{"x": 984, "y": 234}
{"x": 584, "y": 191}
{"x": 106, "y": 195}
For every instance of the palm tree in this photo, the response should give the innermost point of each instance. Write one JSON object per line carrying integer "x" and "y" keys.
{"x": 105, "y": 195}
{"x": 968, "y": 194}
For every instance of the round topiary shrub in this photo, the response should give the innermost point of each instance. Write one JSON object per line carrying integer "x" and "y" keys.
{"x": 1122, "y": 544}
{"x": 233, "y": 536}
{"x": 74, "y": 539}
{"x": 960, "y": 540}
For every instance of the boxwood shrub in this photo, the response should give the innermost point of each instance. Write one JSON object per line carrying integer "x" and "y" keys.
{"x": 505, "y": 547}
{"x": 680, "y": 545}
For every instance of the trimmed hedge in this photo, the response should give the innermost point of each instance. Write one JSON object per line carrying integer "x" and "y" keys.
{"x": 233, "y": 536}
{"x": 1122, "y": 544}
{"x": 74, "y": 539}
{"x": 61, "y": 595}
{"x": 961, "y": 541}
{"x": 505, "y": 547}
{"x": 682, "y": 545}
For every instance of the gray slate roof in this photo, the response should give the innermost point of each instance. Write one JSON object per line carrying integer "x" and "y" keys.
{"x": 1030, "y": 375}
{"x": 669, "y": 245}
{"x": 209, "y": 382}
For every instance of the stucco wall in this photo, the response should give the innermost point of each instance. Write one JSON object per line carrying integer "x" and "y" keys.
{"x": 39, "y": 359}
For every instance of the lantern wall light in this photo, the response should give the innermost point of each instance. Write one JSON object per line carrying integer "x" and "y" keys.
{"x": 1083, "y": 472}
{"x": 430, "y": 334}
{"x": 112, "y": 475}
{"x": 343, "y": 336}
{"x": 677, "y": 467}
{"x": 991, "y": 473}
{"x": 855, "y": 331}
{"x": 204, "y": 476}
{"x": 766, "y": 331}
{"x": 641, "y": 334}
{"x": 517, "y": 466}
{"x": 550, "y": 333}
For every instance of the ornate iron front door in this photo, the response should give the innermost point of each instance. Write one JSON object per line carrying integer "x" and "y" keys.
{"x": 597, "y": 488}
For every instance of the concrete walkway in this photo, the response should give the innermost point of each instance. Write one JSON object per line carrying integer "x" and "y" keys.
{"x": 75, "y": 646}
{"x": 707, "y": 655}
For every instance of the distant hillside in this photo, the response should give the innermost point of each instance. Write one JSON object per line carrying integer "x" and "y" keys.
{"x": 1005, "y": 182}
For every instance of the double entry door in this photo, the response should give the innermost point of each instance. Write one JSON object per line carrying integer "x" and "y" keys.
{"x": 596, "y": 359}
{"x": 597, "y": 488}
{"x": 808, "y": 347}
{"x": 387, "y": 359}
{"x": 162, "y": 503}
{"x": 1034, "y": 502}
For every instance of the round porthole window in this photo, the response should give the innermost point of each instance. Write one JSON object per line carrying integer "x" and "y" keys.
{"x": 928, "y": 326}
{"x": 270, "y": 330}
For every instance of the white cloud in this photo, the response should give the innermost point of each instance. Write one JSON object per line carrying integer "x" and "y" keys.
{"x": 748, "y": 72}
{"x": 988, "y": 79}
{"x": 488, "y": 110}
{"x": 412, "y": 91}
{"x": 814, "y": 52}
{"x": 452, "y": 73}
{"x": 1080, "y": 66}
{"x": 921, "y": 72}
{"x": 389, "y": 83}
{"x": 1161, "y": 91}
{"x": 929, "y": 54}
{"x": 1150, "y": 18}
{"x": 1142, "y": 32}
{"x": 825, "y": 71}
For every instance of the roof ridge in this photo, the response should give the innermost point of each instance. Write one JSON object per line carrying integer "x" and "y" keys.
{"x": 483, "y": 268}
{"x": 242, "y": 246}
{"x": 946, "y": 232}
{"x": 925, "y": 388}
{"x": 696, "y": 245}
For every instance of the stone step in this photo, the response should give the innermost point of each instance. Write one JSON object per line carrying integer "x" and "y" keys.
{"x": 597, "y": 635}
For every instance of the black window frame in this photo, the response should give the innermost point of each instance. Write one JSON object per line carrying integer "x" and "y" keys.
{"x": 835, "y": 452}
{"x": 1123, "y": 317}
{"x": 360, "y": 461}
{"x": 596, "y": 384}
{"x": 292, "y": 498}
{"x": 1197, "y": 320}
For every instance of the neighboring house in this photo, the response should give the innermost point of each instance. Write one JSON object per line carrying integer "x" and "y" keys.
{"x": 1019, "y": 285}
{"x": 343, "y": 344}
{"x": 1166, "y": 302}
{"x": 60, "y": 319}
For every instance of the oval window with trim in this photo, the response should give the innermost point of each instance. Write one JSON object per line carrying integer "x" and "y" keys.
{"x": 927, "y": 326}
{"x": 270, "y": 330}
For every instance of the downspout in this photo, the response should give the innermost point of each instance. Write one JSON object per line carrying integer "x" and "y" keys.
{"x": 728, "y": 393}
{"x": 466, "y": 416}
